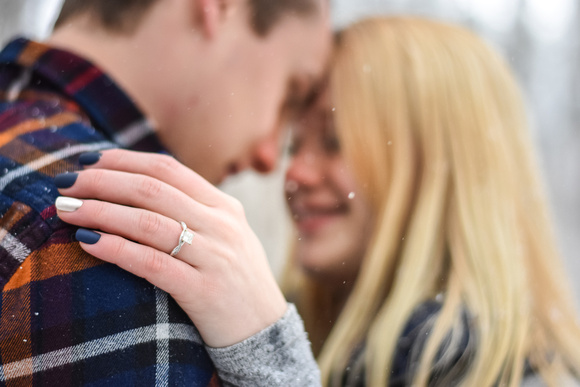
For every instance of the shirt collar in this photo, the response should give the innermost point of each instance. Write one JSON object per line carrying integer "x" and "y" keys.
{"x": 109, "y": 108}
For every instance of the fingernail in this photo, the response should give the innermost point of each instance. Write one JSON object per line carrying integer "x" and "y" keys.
{"x": 67, "y": 204}
{"x": 65, "y": 180}
{"x": 87, "y": 236}
{"x": 89, "y": 158}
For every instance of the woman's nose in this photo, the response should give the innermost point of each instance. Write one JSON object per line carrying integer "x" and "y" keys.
{"x": 305, "y": 169}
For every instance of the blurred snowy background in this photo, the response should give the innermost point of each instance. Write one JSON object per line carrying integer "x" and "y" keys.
{"x": 540, "y": 39}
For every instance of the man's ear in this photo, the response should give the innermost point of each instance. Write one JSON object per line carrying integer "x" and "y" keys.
{"x": 212, "y": 13}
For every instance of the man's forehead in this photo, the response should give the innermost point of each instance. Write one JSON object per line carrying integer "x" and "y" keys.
{"x": 306, "y": 34}
{"x": 311, "y": 57}
{"x": 303, "y": 46}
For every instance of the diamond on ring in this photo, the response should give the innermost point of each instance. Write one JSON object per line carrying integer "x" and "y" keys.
{"x": 185, "y": 237}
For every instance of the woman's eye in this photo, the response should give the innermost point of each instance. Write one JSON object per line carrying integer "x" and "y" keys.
{"x": 331, "y": 144}
{"x": 292, "y": 148}
{"x": 292, "y": 107}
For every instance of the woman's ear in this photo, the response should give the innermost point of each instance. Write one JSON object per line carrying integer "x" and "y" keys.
{"x": 211, "y": 13}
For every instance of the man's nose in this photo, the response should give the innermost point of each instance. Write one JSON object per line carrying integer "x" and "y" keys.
{"x": 266, "y": 153}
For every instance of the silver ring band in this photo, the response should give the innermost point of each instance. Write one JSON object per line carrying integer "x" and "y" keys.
{"x": 185, "y": 237}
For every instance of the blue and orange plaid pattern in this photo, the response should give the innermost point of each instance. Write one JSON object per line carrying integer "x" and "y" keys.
{"x": 67, "y": 318}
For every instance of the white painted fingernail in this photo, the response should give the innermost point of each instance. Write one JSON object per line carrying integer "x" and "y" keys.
{"x": 67, "y": 204}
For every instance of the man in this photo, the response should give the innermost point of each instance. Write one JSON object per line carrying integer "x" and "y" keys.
{"x": 208, "y": 81}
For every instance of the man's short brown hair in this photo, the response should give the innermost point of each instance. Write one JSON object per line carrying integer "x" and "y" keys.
{"x": 125, "y": 15}
{"x": 266, "y": 13}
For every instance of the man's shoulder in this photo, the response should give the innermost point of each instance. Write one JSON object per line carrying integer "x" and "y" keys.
{"x": 79, "y": 320}
{"x": 45, "y": 121}
{"x": 64, "y": 315}
{"x": 40, "y": 138}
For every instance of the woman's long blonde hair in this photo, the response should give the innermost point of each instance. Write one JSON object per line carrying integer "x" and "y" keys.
{"x": 433, "y": 124}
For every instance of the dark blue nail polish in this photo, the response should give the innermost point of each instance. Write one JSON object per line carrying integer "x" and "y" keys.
{"x": 87, "y": 236}
{"x": 65, "y": 180}
{"x": 89, "y": 158}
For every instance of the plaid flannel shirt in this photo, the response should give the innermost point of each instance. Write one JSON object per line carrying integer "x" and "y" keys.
{"x": 65, "y": 317}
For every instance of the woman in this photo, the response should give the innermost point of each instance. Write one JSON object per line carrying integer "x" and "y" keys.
{"x": 424, "y": 254}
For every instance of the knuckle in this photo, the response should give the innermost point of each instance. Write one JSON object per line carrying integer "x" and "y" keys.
{"x": 148, "y": 223}
{"x": 153, "y": 263}
{"x": 235, "y": 206}
{"x": 230, "y": 257}
{"x": 149, "y": 188}
{"x": 232, "y": 226}
{"x": 167, "y": 163}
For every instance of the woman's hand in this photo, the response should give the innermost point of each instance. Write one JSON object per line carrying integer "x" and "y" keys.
{"x": 137, "y": 201}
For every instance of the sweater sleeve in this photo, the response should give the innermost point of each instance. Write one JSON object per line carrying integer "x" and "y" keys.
{"x": 279, "y": 355}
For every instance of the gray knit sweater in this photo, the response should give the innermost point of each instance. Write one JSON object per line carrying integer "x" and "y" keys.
{"x": 279, "y": 355}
